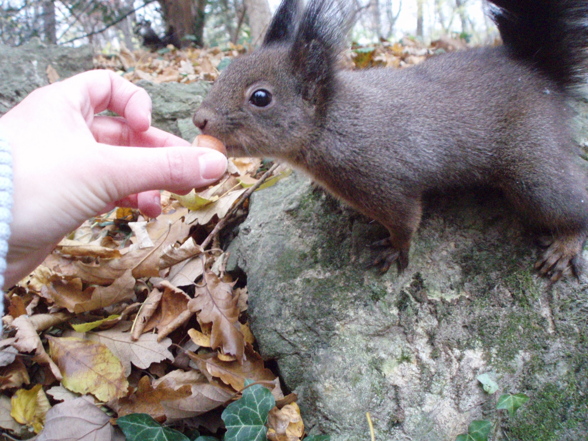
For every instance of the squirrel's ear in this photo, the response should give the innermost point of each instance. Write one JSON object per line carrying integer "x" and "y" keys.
{"x": 283, "y": 25}
{"x": 320, "y": 38}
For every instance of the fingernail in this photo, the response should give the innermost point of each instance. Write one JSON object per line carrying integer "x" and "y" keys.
{"x": 212, "y": 165}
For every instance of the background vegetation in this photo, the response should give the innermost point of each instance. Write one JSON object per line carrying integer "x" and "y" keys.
{"x": 110, "y": 24}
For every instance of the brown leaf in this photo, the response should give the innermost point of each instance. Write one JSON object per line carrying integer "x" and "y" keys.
{"x": 234, "y": 373}
{"x": 204, "y": 396}
{"x": 78, "y": 420}
{"x": 173, "y": 303}
{"x": 285, "y": 424}
{"x": 88, "y": 367}
{"x": 148, "y": 399}
{"x": 14, "y": 375}
{"x": 215, "y": 303}
{"x": 27, "y": 339}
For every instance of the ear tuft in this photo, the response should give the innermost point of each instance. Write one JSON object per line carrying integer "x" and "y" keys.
{"x": 284, "y": 23}
{"x": 320, "y": 38}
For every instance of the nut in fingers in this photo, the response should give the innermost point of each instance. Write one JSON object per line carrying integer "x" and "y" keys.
{"x": 210, "y": 142}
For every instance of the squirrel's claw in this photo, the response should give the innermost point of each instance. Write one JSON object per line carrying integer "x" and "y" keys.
{"x": 561, "y": 257}
{"x": 389, "y": 255}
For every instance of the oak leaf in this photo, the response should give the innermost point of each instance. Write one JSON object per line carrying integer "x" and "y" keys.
{"x": 233, "y": 373}
{"x": 78, "y": 420}
{"x": 88, "y": 367}
{"x": 215, "y": 303}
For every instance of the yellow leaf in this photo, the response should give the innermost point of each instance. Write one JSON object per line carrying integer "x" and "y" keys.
{"x": 88, "y": 367}
{"x": 29, "y": 407}
{"x": 86, "y": 327}
{"x": 199, "y": 338}
{"x": 194, "y": 201}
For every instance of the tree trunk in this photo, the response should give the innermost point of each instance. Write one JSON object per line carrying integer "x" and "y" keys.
{"x": 420, "y": 18}
{"x": 49, "y": 29}
{"x": 260, "y": 16}
{"x": 183, "y": 18}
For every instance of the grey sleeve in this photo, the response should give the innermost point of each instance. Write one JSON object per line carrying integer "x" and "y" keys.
{"x": 5, "y": 208}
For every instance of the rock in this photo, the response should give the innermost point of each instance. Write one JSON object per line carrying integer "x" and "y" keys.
{"x": 24, "y": 68}
{"x": 174, "y": 105}
{"x": 408, "y": 348}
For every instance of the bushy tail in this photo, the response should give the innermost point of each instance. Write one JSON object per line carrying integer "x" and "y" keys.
{"x": 550, "y": 34}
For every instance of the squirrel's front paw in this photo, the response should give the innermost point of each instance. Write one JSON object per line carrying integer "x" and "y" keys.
{"x": 562, "y": 256}
{"x": 389, "y": 255}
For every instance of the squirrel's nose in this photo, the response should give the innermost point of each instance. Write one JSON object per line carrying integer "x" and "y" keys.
{"x": 201, "y": 118}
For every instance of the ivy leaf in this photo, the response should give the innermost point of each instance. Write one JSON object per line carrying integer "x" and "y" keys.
{"x": 245, "y": 418}
{"x": 140, "y": 426}
{"x": 511, "y": 402}
{"x": 318, "y": 438}
{"x": 490, "y": 386}
{"x": 477, "y": 431}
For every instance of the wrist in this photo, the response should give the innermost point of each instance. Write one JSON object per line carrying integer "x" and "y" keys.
{"x": 6, "y": 200}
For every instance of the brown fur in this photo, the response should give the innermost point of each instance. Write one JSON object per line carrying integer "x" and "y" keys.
{"x": 380, "y": 139}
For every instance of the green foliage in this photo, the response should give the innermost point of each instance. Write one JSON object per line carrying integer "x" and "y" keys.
{"x": 318, "y": 438}
{"x": 480, "y": 430}
{"x": 511, "y": 403}
{"x": 245, "y": 419}
{"x": 140, "y": 427}
{"x": 477, "y": 431}
{"x": 490, "y": 386}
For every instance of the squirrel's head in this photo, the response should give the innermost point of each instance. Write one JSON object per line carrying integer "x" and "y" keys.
{"x": 272, "y": 101}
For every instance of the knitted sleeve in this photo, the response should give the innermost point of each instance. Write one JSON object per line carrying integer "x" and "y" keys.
{"x": 5, "y": 209}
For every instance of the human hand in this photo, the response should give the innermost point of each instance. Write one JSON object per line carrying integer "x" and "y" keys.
{"x": 70, "y": 164}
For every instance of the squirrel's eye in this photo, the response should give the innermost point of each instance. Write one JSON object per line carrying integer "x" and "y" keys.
{"x": 261, "y": 98}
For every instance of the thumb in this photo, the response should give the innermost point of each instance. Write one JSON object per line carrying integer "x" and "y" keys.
{"x": 136, "y": 169}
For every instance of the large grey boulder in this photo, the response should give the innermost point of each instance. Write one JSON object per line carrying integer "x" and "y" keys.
{"x": 408, "y": 348}
{"x": 24, "y": 68}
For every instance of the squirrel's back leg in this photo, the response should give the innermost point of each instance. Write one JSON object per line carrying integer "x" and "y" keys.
{"x": 401, "y": 221}
{"x": 554, "y": 201}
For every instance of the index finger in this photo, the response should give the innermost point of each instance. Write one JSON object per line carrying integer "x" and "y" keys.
{"x": 98, "y": 90}
{"x": 116, "y": 131}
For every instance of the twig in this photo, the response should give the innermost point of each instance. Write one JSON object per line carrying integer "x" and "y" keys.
{"x": 369, "y": 418}
{"x": 223, "y": 222}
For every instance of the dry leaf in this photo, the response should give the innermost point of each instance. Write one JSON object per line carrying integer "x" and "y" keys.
{"x": 78, "y": 420}
{"x": 60, "y": 393}
{"x": 215, "y": 303}
{"x": 52, "y": 75}
{"x": 199, "y": 338}
{"x": 88, "y": 367}
{"x": 204, "y": 396}
{"x": 186, "y": 273}
{"x": 14, "y": 375}
{"x": 234, "y": 373}
{"x": 6, "y": 421}
{"x": 173, "y": 303}
{"x": 29, "y": 407}
{"x": 148, "y": 399}
{"x": 8, "y": 352}
{"x": 286, "y": 423}
{"x": 142, "y": 352}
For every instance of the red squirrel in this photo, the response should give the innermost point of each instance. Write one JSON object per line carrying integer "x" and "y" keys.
{"x": 381, "y": 139}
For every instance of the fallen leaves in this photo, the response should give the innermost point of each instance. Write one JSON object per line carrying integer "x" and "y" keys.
{"x": 88, "y": 367}
{"x": 112, "y": 315}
